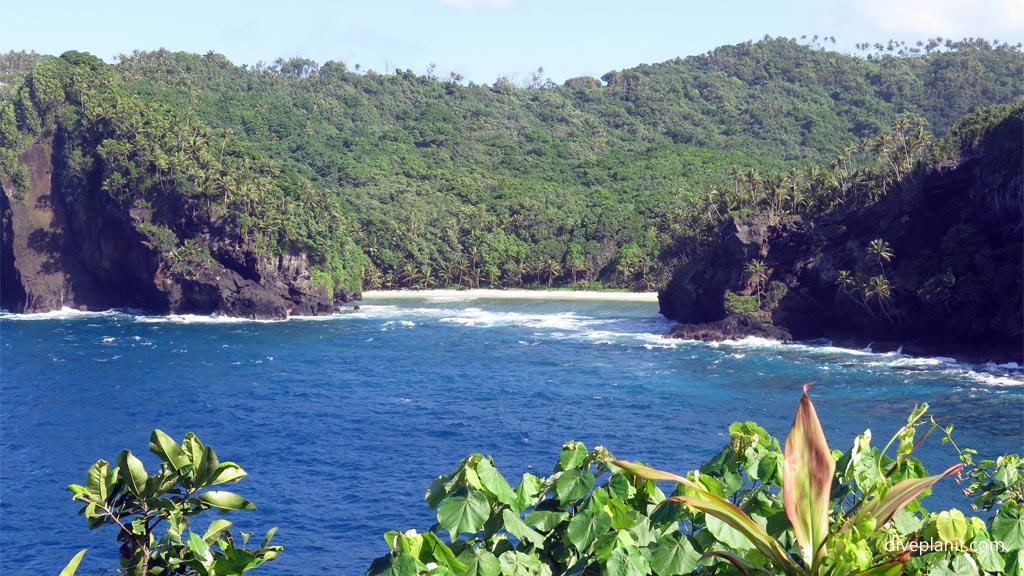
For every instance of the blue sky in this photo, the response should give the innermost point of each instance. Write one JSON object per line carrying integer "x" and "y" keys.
{"x": 485, "y": 39}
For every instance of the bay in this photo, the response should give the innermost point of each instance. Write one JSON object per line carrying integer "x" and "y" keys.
{"x": 342, "y": 422}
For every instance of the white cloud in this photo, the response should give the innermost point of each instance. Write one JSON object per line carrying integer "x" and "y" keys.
{"x": 991, "y": 19}
{"x": 477, "y": 5}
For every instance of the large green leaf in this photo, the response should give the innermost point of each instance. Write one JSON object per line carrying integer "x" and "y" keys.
{"x": 728, "y": 535}
{"x": 546, "y": 520}
{"x": 72, "y": 565}
{"x": 515, "y": 526}
{"x": 585, "y": 527}
{"x": 167, "y": 449}
{"x": 951, "y": 525}
{"x": 226, "y": 500}
{"x": 479, "y": 563}
{"x": 227, "y": 472}
{"x": 573, "y": 454}
{"x": 494, "y": 482}
{"x": 96, "y": 480}
{"x": 215, "y": 529}
{"x": 439, "y": 552}
{"x": 674, "y": 554}
{"x": 527, "y": 492}
{"x": 515, "y": 563}
{"x": 573, "y": 485}
{"x": 1008, "y": 527}
{"x": 134, "y": 472}
{"x": 807, "y": 481}
{"x": 626, "y": 562}
{"x": 466, "y": 512}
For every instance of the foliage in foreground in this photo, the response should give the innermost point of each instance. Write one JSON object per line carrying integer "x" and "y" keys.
{"x": 138, "y": 503}
{"x": 755, "y": 508}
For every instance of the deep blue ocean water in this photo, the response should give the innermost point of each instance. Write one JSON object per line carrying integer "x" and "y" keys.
{"x": 343, "y": 422}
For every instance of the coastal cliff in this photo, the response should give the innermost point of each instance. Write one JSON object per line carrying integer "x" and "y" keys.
{"x": 111, "y": 199}
{"x": 73, "y": 246}
{"x": 951, "y": 283}
{"x": 66, "y": 244}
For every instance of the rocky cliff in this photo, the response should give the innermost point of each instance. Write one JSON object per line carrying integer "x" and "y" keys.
{"x": 65, "y": 243}
{"x": 952, "y": 286}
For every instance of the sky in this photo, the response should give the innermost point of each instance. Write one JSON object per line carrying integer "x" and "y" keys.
{"x": 486, "y": 39}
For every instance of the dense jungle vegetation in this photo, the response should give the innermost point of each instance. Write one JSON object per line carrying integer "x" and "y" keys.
{"x": 410, "y": 180}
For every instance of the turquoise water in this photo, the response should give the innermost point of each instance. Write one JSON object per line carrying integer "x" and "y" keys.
{"x": 343, "y": 422}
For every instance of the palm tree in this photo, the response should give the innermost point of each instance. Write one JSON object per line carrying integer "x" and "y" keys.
{"x": 758, "y": 272}
{"x": 881, "y": 251}
{"x": 552, "y": 269}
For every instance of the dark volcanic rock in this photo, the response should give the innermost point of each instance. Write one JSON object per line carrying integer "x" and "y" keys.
{"x": 957, "y": 277}
{"x": 67, "y": 246}
{"x": 732, "y": 327}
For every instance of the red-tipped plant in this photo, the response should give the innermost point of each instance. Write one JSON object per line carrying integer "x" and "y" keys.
{"x": 806, "y": 493}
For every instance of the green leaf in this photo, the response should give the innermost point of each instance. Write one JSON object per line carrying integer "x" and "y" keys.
{"x": 584, "y": 528}
{"x": 626, "y": 562}
{"x": 620, "y": 487}
{"x": 96, "y": 480}
{"x": 72, "y": 565}
{"x": 527, "y": 492}
{"x": 515, "y": 563}
{"x": 494, "y": 482}
{"x": 464, "y": 513}
{"x": 573, "y": 454}
{"x": 439, "y": 552}
{"x": 207, "y": 468}
{"x": 573, "y": 485}
{"x": 951, "y": 525}
{"x": 437, "y": 491}
{"x": 268, "y": 537}
{"x": 515, "y": 526}
{"x": 479, "y": 563}
{"x": 988, "y": 556}
{"x": 623, "y": 517}
{"x": 728, "y": 535}
{"x": 167, "y": 449}
{"x": 214, "y": 531}
{"x": 136, "y": 476}
{"x": 1008, "y": 527}
{"x": 193, "y": 450}
{"x": 226, "y": 500}
{"x": 807, "y": 481}
{"x": 227, "y": 472}
{"x": 546, "y": 520}
{"x": 674, "y": 554}
{"x": 200, "y": 550}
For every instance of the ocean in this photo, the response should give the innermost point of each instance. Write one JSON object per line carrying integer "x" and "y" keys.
{"x": 342, "y": 422}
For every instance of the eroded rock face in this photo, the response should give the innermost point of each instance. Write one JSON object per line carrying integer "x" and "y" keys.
{"x": 965, "y": 221}
{"x": 732, "y": 327}
{"x": 77, "y": 248}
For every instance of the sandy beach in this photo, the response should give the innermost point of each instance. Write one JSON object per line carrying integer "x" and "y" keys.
{"x": 514, "y": 294}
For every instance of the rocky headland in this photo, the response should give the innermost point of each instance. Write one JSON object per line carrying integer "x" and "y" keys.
{"x": 952, "y": 285}
{"x": 65, "y": 243}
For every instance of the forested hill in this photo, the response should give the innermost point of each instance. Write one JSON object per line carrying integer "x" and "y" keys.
{"x": 443, "y": 182}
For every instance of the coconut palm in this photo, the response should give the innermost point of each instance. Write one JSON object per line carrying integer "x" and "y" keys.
{"x": 881, "y": 251}
{"x": 758, "y": 272}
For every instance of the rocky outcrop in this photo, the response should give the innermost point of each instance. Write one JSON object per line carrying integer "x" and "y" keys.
{"x": 955, "y": 279}
{"x": 73, "y": 246}
{"x": 732, "y": 327}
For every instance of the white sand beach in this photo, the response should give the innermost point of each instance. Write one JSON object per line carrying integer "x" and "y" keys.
{"x": 514, "y": 294}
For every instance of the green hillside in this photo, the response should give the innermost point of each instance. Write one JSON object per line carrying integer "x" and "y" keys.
{"x": 442, "y": 183}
